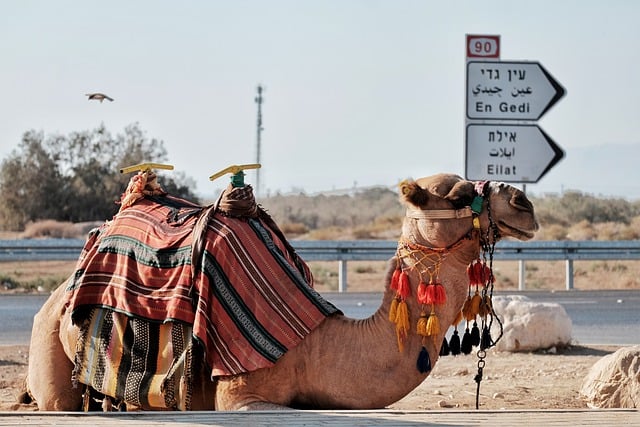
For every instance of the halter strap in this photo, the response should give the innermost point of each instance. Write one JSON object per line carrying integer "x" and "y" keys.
{"x": 468, "y": 211}
{"x": 440, "y": 213}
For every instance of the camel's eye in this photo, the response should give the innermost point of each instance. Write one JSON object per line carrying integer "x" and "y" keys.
{"x": 520, "y": 202}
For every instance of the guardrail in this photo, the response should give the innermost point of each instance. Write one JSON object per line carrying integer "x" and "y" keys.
{"x": 370, "y": 250}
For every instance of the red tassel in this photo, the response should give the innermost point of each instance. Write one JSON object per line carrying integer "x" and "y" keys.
{"x": 430, "y": 297}
{"x": 395, "y": 279}
{"x": 478, "y": 272}
{"x": 488, "y": 275}
{"x": 470, "y": 274}
{"x": 422, "y": 293}
{"x": 404, "y": 288}
{"x": 440, "y": 295}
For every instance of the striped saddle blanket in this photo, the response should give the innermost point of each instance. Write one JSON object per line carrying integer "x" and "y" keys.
{"x": 235, "y": 281}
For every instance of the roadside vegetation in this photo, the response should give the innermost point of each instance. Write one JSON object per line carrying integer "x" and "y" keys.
{"x": 60, "y": 186}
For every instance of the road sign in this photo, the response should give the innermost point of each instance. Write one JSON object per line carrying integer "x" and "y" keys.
{"x": 509, "y": 90}
{"x": 510, "y": 153}
{"x": 483, "y": 46}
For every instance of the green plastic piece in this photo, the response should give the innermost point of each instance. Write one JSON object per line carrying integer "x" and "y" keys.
{"x": 476, "y": 205}
{"x": 237, "y": 179}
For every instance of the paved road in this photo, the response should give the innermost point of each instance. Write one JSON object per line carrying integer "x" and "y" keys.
{"x": 599, "y": 317}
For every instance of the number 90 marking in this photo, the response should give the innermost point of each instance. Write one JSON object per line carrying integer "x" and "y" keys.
{"x": 483, "y": 46}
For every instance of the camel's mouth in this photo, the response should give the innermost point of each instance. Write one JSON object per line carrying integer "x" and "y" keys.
{"x": 517, "y": 232}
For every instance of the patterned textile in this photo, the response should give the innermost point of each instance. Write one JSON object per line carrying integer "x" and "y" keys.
{"x": 142, "y": 363}
{"x": 246, "y": 292}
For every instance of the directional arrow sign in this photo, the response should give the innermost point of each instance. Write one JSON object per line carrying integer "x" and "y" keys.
{"x": 510, "y": 153}
{"x": 509, "y": 90}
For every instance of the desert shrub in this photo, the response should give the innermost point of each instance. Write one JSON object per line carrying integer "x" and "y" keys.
{"x": 50, "y": 228}
{"x": 583, "y": 230}
{"x": 552, "y": 232}
{"x": 362, "y": 233}
{"x": 291, "y": 229}
{"x": 8, "y": 282}
{"x": 365, "y": 269}
{"x": 329, "y": 233}
{"x": 609, "y": 230}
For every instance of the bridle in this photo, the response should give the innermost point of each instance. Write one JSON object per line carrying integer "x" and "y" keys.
{"x": 486, "y": 241}
{"x": 472, "y": 211}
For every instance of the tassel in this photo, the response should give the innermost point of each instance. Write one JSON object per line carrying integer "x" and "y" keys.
{"x": 478, "y": 271}
{"x": 422, "y": 325}
{"x": 422, "y": 293}
{"x": 471, "y": 274}
{"x": 486, "y": 341}
{"x": 467, "y": 311}
{"x": 402, "y": 324}
{"x": 475, "y": 335}
{"x": 466, "y": 346}
{"x": 440, "y": 295}
{"x": 424, "y": 363}
{"x": 444, "y": 349}
{"x": 454, "y": 343}
{"x": 431, "y": 294}
{"x": 475, "y": 304}
{"x": 485, "y": 306}
{"x": 393, "y": 310}
{"x": 488, "y": 275}
{"x": 458, "y": 319}
{"x": 395, "y": 279}
{"x": 433, "y": 325}
{"x": 404, "y": 288}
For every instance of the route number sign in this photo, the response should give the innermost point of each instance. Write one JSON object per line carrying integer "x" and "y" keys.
{"x": 479, "y": 47}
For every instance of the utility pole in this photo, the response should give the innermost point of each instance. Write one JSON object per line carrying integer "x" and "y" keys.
{"x": 258, "y": 99}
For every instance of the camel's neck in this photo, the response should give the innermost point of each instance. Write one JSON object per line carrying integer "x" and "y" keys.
{"x": 395, "y": 372}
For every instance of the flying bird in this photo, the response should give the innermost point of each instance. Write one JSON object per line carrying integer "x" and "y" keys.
{"x": 98, "y": 97}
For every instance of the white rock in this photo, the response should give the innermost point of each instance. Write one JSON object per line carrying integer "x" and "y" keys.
{"x": 614, "y": 380}
{"x": 529, "y": 325}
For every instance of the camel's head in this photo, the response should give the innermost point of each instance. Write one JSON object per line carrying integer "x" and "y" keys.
{"x": 441, "y": 210}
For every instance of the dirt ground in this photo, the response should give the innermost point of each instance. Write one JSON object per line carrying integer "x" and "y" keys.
{"x": 541, "y": 380}
{"x": 549, "y": 380}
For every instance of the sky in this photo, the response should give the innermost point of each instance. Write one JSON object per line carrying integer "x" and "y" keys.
{"x": 356, "y": 92}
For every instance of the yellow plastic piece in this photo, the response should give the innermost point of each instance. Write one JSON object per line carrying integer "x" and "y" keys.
{"x": 145, "y": 167}
{"x": 234, "y": 169}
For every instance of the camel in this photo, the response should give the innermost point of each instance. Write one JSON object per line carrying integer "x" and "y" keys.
{"x": 344, "y": 363}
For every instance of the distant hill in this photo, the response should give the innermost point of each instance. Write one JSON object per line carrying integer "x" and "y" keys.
{"x": 610, "y": 170}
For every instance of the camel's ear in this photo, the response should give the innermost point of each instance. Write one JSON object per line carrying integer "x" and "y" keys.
{"x": 411, "y": 192}
{"x": 461, "y": 194}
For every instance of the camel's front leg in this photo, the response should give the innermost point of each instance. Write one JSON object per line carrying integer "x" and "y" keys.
{"x": 49, "y": 373}
{"x": 237, "y": 394}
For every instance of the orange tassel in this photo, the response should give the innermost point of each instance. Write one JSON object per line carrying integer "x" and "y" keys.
{"x": 402, "y": 324}
{"x": 458, "y": 318}
{"x": 433, "y": 325}
{"x": 475, "y": 304}
{"x": 467, "y": 311}
{"x": 393, "y": 310}
{"x": 422, "y": 325}
{"x": 422, "y": 293}
{"x": 485, "y": 306}
{"x": 404, "y": 288}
